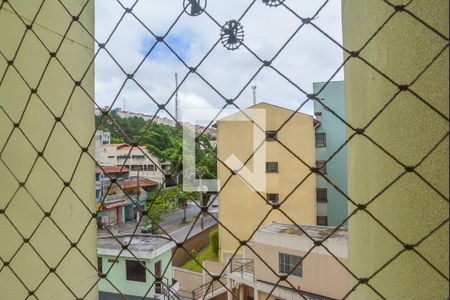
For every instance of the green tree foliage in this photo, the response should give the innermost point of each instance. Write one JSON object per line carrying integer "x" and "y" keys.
{"x": 157, "y": 203}
{"x": 214, "y": 241}
{"x": 169, "y": 195}
{"x": 121, "y": 128}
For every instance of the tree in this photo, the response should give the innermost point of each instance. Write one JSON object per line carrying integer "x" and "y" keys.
{"x": 214, "y": 240}
{"x": 157, "y": 203}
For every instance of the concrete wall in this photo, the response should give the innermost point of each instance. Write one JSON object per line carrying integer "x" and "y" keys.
{"x": 241, "y": 208}
{"x": 322, "y": 274}
{"x": 197, "y": 242}
{"x": 333, "y": 96}
{"x": 42, "y": 185}
{"x": 188, "y": 280}
{"x": 408, "y": 129}
{"x": 213, "y": 267}
{"x": 117, "y": 276}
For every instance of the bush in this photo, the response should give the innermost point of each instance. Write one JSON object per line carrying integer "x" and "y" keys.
{"x": 194, "y": 253}
{"x": 214, "y": 241}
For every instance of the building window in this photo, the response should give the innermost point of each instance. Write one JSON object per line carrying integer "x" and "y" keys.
{"x": 136, "y": 168}
{"x": 138, "y": 156}
{"x": 100, "y": 264}
{"x": 321, "y": 139}
{"x": 290, "y": 263}
{"x": 158, "y": 283}
{"x": 271, "y": 167}
{"x": 318, "y": 114}
{"x": 111, "y": 156}
{"x": 322, "y": 220}
{"x": 322, "y": 195}
{"x": 271, "y": 135}
{"x": 321, "y": 164}
{"x": 135, "y": 271}
{"x": 273, "y": 198}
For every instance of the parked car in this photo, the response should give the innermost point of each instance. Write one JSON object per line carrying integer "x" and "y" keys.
{"x": 213, "y": 204}
{"x": 148, "y": 227}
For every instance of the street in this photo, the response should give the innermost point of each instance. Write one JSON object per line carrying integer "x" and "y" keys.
{"x": 172, "y": 222}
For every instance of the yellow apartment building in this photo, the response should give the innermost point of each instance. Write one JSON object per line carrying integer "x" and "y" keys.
{"x": 243, "y": 210}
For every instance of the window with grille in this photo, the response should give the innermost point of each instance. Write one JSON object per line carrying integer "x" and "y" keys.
{"x": 29, "y": 157}
{"x": 290, "y": 264}
{"x": 135, "y": 271}
{"x": 158, "y": 285}
{"x": 322, "y": 195}
{"x": 321, "y": 164}
{"x": 273, "y": 198}
{"x": 136, "y": 168}
{"x": 321, "y": 139}
{"x": 271, "y": 167}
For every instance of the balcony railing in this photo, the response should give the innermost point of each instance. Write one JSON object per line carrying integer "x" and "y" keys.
{"x": 210, "y": 289}
{"x": 243, "y": 267}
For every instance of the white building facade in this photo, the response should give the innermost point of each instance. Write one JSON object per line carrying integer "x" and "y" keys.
{"x": 137, "y": 160}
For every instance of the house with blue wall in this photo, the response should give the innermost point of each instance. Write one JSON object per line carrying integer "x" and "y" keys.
{"x": 330, "y": 136}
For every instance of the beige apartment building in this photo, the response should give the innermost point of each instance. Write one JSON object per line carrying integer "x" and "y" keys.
{"x": 241, "y": 209}
{"x": 281, "y": 248}
{"x": 301, "y": 253}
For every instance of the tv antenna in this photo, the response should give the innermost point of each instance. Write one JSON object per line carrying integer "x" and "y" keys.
{"x": 254, "y": 94}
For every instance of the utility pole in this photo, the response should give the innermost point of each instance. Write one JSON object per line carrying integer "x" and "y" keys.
{"x": 177, "y": 100}
{"x": 254, "y": 94}
{"x": 124, "y": 107}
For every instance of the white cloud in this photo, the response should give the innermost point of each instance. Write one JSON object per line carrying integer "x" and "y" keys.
{"x": 309, "y": 57}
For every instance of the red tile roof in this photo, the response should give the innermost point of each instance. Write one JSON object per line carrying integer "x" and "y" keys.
{"x": 114, "y": 145}
{"x": 142, "y": 183}
{"x": 129, "y": 148}
{"x": 114, "y": 169}
{"x": 117, "y": 204}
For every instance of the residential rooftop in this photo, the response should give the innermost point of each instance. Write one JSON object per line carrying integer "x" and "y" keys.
{"x": 314, "y": 231}
{"x": 142, "y": 246}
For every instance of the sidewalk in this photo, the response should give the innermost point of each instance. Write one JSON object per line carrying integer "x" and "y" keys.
{"x": 129, "y": 227}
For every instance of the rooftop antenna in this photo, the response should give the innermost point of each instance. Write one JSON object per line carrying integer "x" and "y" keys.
{"x": 254, "y": 94}
{"x": 177, "y": 101}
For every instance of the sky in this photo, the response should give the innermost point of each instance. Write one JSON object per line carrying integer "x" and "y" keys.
{"x": 309, "y": 57}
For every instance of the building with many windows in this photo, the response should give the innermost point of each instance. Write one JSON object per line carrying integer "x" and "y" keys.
{"x": 330, "y": 137}
{"x": 142, "y": 271}
{"x": 289, "y": 154}
{"x": 137, "y": 160}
